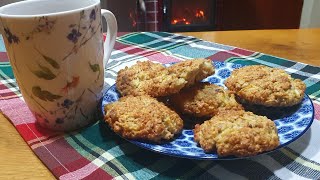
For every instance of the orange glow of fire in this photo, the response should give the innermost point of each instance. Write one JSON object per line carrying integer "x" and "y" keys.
{"x": 198, "y": 14}
{"x": 181, "y": 21}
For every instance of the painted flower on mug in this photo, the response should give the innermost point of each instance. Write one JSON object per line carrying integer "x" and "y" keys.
{"x": 82, "y": 32}
{"x": 45, "y": 24}
{"x": 93, "y": 15}
{"x": 42, "y": 25}
{"x": 59, "y": 120}
{"x": 11, "y": 37}
{"x": 74, "y": 35}
{"x": 67, "y": 103}
{"x": 67, "y": 110}
{"x": 71, "y": 84}
{"x": 49, "y": 68}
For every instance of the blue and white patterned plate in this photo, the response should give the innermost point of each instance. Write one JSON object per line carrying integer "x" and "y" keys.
{"x": 291, "y": 122}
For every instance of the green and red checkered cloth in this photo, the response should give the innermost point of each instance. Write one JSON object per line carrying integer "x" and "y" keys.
{"x": 97, "y": 153}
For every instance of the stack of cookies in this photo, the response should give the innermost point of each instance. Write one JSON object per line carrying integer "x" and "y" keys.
{"x": 154, "y": 98}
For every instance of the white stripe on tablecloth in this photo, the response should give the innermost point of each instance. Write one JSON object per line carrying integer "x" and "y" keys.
{"x": 7, "y": 80}
{"x": 145, "y": 52}
{"x": 95, "y": 164}
{"x": 45, "y": 142}
{"x": 316, "y": 76}
{"x": 308, "y": 144}
{"x": 107, "y": 156}
{"x": 290, "y": 70}
{"x": 195, "y": 45}
{"x": 80, "y": 173}
{"x": 222, "y": 173}
{"x": 277, "y": 168}
{"x": 146, "y": 173}
{"x": 305, "y": 146}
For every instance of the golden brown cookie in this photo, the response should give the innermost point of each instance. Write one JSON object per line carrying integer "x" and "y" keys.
{"x": 204, "y": 100}
{"x": 266, "y": 86}
{"x": 142, "y": 118}
{"x": 143, "y": 78}
{"x": 193, "y": 71}
{"x": 237, "y": 133}
{"x": 147, "y": 78}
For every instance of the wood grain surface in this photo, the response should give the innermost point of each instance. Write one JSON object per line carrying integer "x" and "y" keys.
{"x": 302, "y": 45}
{"x": 19, "y": 162}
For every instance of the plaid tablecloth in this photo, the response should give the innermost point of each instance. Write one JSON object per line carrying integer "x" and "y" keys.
{"x": 97, "y": 153}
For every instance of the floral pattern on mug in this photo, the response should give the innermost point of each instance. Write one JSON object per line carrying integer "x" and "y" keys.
{"x": 49, "y": 68}
{"x": 70, "y": 85}
{"x": 44, "y": 25}
{"x": 83, "y": 31}
{"x": 11, "y": 37}
{"x": 74, "y": 35}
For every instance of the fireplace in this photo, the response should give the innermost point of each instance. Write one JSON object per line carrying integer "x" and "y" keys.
{"x": 188, "y": 15}
{"x": 204, "y": 15}
{"x": 165, "y": 15}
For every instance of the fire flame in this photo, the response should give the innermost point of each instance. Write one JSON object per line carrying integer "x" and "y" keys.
{"x": 180, "y": 21}
{"x": 199, "y": 14}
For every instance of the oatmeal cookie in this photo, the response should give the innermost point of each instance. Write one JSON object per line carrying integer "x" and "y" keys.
{"x": 266, "y": 86}
{"x": 148, "y": 78}
{"x": 192, "y": 71}
{"x": 204, "y": 100}
{"x": 142, "y": 118}
{"x": 237, "y": 133}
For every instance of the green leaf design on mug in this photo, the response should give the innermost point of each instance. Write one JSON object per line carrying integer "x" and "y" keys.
{"x": 44, "y": 73}
{"x": 43, "y": 94}
{"x": 95, "y": 68}
{"x": 51, "y": 61}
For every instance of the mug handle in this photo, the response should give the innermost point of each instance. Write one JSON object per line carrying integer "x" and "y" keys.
{"x": 112, "y": 29}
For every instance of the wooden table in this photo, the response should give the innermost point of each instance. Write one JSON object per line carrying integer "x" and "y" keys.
{"x": 18, "y": 161}
{"x": 302, "y": 45}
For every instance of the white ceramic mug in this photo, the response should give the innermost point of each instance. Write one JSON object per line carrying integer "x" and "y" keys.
{"x": 57, "y": 53}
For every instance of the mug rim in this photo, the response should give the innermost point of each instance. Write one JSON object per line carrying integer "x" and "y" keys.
{"x": 41, "y": 14}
